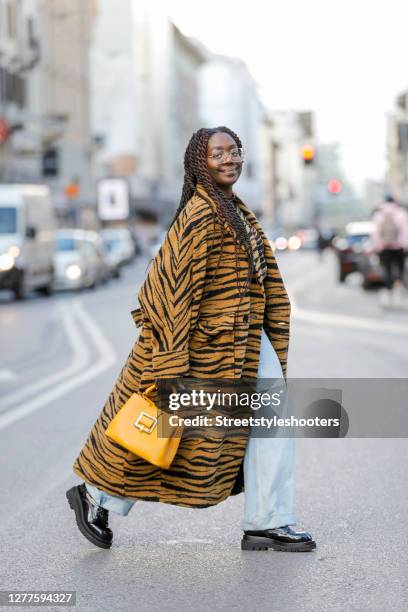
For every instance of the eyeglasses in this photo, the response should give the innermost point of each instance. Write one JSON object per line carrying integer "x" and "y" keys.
{"x": 236, "y": 155}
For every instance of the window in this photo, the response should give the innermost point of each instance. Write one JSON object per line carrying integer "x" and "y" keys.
{"x": 8, "y": 220}
{"x": 11, "y": 20}
{"x": 66, "y": 244}
{"x": 12, "y": 88}
{"x": 30, "y": 33}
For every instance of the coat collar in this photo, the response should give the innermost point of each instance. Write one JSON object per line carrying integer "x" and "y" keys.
{"x": 200, "y": 189}
{"x": 201, "y": 192}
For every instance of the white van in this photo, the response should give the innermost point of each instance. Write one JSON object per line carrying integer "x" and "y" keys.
{"x": 27, "y": 238}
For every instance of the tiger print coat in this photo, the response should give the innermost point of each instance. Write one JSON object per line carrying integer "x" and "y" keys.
{"x": 192, "y": 321}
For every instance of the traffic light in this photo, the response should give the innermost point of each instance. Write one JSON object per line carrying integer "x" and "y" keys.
{"x": 334, "y": 186}
{"x": 308, "y": 154}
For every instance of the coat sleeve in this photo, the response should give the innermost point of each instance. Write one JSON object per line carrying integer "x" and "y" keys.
{"x": 277, "y": 308}
{"x": 171, "y": 293}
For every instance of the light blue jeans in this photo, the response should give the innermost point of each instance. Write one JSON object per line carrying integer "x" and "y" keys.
{"x": 269, "y": 465}
{"x": 268, "y": 470}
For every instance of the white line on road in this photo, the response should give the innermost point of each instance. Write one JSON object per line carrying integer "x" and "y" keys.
{"x": 360, "y": 323}
{"x": 107, "y": 357}
{"x": 7, "y": 376}
{"x": 325, "y": 318}
{"x": 79, "y": 360}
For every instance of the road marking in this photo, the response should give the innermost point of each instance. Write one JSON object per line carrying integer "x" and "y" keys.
{"x": 79, "y": 361}
{"x": 107, "y": 357}
{"x": 323, "y": 318}
{"x": 7, "y": 376}
{"x": 305, "y": 279}
{"x": 333, "y": 319}
{"x": 191, "y": 540}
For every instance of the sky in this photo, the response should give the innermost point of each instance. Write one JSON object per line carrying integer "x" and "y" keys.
{"x": 346, "y": 60}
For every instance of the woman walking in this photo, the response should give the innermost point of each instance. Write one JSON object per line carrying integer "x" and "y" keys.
{"x": 213, "y": 305}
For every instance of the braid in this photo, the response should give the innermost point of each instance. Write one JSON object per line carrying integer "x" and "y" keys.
{"x": 196, "y": 171}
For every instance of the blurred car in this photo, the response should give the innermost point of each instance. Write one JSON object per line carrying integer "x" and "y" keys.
{"x": 353, "y": 251}
{"x": 104, "y": 269}
{"x": 112, "y": 259}
{"x": 136, "y": 242}
{"x": 27, "y": 240}
{"x": 278, "y": 238}
{"x": 294, "y": 243}
{"x": 308, "y": 237}
{"x": 156, "y": 243}
{"x": 118, "y": 247}
{"x": 369, "y": 265}
{"x": 78, "y": 262}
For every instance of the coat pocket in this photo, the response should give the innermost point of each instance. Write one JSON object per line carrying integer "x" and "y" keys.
{"x": 212, "y": 345}
{"x": 209, "y": 326}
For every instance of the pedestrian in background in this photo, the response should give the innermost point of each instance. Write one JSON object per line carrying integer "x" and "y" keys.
{"x": 390, "y": 242}
{"x": 213, "y": 305}
{"x": 321, "y": 243}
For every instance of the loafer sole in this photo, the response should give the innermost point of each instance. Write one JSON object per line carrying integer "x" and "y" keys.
{"x": 75, "y": 503}
{"x": 249, "y": 542}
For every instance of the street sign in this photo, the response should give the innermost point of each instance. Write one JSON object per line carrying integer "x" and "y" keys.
{"x": 113, "y": 199}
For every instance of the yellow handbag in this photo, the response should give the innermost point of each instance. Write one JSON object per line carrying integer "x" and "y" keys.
{"x": 140, "y": 427}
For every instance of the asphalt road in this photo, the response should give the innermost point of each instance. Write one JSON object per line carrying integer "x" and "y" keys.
{"x": 60, "y": 357}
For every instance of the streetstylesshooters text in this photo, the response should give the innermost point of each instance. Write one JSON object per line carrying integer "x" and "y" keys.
{"x": 255, "y": 401}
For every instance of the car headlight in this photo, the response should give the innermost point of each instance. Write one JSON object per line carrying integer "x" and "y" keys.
{"x": 294, "y": 243}
{"x": 73, "y": 272}
{"x": 281, "y": 243}
{"x": 6, "y": 262}
{"x": 14, "y": 251}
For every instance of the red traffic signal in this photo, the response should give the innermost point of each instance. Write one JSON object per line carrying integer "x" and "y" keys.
{"x": 4, "y": 130}
{"x": 334, "y": 186}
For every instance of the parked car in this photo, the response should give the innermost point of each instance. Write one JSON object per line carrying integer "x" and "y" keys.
{"x": 278, "y": 238}
{"x": 369, "y": 265}
{"x": 119, "y": 246}
{"x": 104, "y": 269}
{"x": 78, "y": 263}
{"x": 352, "y": 248}
{"x": 112, "y": 259}
{"x": 27, "y": 240}
{"x": 308, "y": 237}
{"x": 156, "y": 243}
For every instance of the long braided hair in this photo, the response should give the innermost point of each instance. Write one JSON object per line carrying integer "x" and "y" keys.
{"x": 196, "y": 171}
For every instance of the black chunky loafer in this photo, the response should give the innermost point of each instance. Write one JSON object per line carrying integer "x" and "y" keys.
{"x": 92, "y": 520}
{"x": 281, "y": 538}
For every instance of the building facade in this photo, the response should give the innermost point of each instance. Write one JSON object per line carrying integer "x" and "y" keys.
{"x": 144, "y": 103}
{"x": 19, "y": 55}
{"x": 229, "y": 96}
{"x": 45, "y": 96}
{"x": 397, "y": 149}
{"x": 293, "y": 181}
